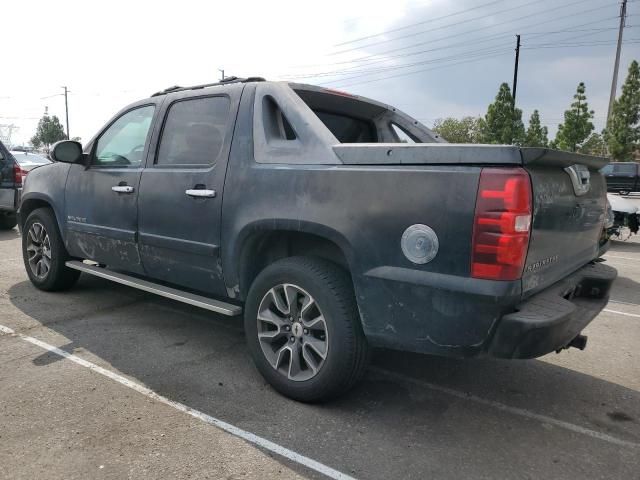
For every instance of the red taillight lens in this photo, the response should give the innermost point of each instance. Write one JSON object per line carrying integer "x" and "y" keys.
{"x": 18, "y": 175}
{"x": 502, "y": 224}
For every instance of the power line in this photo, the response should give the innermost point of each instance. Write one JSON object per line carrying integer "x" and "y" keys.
{"x": 431, "y": 20}
{"x": 479, "y": 57}
{"x": 544, "y": 22}
{"x": 356, "y": 68}
{"x": 473, "y": 19}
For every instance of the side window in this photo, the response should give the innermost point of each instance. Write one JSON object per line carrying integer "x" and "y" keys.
{"x": 122, "y": 144}
{"x": 607, "y": 169}
{"x": 625, "y": 169}
{"x": 194, "y": 131}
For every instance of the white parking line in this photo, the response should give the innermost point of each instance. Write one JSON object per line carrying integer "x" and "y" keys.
{"x": 621, "y": 313}
{"x": 227, "y": 427}
{"x": 623, "y": 258}
{"x": 506, "y": 408}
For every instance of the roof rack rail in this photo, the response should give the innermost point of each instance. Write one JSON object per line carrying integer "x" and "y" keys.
{"x": 177, "y": 88}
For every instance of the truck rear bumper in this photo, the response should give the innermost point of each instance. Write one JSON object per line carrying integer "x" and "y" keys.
{"x": 549, "y": 320}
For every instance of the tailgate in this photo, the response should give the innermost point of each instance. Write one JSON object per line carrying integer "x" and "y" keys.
{"x": 569, "y": 205}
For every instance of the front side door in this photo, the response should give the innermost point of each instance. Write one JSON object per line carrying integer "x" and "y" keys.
{"x": 101, "y": 198}
{"x": 180, "y": 201}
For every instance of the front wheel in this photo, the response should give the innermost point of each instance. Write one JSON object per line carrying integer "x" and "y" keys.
{"x": 624, "y": 192}
{"x": 303, "y": 329}
{"x": 44, "y": 253}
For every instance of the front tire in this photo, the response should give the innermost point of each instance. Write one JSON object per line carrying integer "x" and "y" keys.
{"x": 303, "y": 329}
{"x": 44, "y": 253}
{"x": 8, "y": 221}
{"x": 624, "y": 192}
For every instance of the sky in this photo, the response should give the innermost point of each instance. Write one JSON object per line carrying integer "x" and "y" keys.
{"x": 430, "y": 58}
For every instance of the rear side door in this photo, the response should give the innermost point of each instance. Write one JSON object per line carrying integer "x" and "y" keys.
{"x": 101, "y": 197}
{"x": 180, "y": 201}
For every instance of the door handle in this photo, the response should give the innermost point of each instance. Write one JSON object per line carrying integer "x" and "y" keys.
{"x": 123, "y": 189}
{"x": 197, "y": 192}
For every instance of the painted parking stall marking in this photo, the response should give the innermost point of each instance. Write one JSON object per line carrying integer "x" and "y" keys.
{"x": 227, "y": 427}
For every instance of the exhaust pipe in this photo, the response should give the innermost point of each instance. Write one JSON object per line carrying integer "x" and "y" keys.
{"x": 579, "y": 342}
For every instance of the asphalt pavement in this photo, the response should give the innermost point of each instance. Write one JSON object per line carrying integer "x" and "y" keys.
{"x": 145, "y": 380}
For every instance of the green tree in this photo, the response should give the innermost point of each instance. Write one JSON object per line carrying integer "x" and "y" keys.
{"x": 465, "y": 130}
{"x": 623, "y": 131}
{"x": 502, "y": 123}
{"x": 577, "y": 125}
{"x": 594, "y": 145}
{"x": 49, "y": 131}
{"x": 35, "y": 142}
{"x": 537, "y": 135}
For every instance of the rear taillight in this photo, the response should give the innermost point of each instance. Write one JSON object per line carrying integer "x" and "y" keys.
{"x": 502, "y": 224}
{"x": 18, "y": 175}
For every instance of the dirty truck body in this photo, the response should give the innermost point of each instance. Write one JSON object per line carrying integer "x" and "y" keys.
{"x": 456, "y": 250}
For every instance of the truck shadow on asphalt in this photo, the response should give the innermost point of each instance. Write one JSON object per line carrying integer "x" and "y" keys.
{"x": 9, "y": 234}
{"x": 402, "y": 407}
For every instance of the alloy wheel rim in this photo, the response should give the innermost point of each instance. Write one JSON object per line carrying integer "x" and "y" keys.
{"x": 38, "y": 251}
{"x": 292, "y": 332}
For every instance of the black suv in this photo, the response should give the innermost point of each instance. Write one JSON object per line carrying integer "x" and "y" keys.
{"x": 10, "y": 188}
{"x": 622, "y": 177}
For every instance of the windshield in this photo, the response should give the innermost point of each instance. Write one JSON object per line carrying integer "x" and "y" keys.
{"x": 30, "y": 158}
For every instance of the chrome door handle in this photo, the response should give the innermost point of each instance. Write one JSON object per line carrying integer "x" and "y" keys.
{"x": 123, "y": 189}
{"x": 196, "y": 192}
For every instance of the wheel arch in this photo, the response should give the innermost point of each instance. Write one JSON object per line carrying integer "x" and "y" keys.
{"x": 34, "y": 201}
{"x": 260, "y": 245}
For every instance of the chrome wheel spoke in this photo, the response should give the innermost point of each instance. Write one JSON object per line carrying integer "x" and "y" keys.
{"x": 292, "y": 332}
{"x": 38, "y": 250}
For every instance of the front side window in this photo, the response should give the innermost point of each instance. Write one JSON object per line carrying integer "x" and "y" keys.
{"x": 122, "y": 144}
{"x": 194, "y": 131}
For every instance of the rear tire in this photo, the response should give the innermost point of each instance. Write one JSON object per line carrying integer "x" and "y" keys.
{"x": 44, "y": 253}
{"x": 289, "y": 353}
{"x": 7, "y": 222}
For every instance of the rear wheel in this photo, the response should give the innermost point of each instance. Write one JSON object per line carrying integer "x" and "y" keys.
{"x": 303, "y": 329}
{"x": 8, "y": 221}
{"x": 44, "y": 253}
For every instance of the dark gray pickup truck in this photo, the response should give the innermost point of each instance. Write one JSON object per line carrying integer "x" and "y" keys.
{"x": 334, "y": 223}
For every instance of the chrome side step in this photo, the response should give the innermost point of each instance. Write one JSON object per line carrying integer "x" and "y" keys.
{"x": 175, "y": 294}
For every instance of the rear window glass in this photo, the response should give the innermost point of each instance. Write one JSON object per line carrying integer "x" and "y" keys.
{"x": 194, "y": 131}
{"x": 625, "y": 169}
{"x": 349, "y": 129}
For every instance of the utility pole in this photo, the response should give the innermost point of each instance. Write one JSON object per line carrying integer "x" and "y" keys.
{"x": 515, "y": 73}
{"x": 221, "y": 70}
{"x": 614, "y": 81}
{"x": 515, "y": 86}
{"x": 66, "y": 110}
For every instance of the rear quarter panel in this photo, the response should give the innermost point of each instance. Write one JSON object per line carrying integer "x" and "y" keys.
{"x": 365, "y": 210}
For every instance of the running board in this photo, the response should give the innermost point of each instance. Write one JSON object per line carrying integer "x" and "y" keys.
{"x": 175, "y": 294}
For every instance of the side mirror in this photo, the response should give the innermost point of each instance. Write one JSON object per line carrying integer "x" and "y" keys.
{"x": 66, "y": 151}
